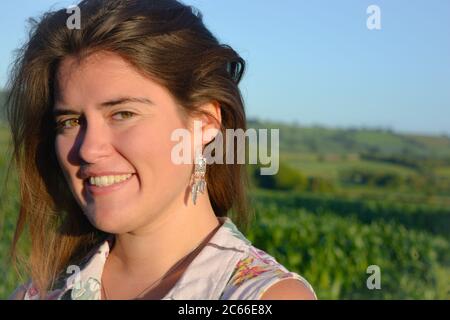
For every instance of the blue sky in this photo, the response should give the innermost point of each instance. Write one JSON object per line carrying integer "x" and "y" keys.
{"x": 315, "y": 62}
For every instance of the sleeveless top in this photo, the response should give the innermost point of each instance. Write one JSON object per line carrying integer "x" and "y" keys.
{"x": 228, "y": 267}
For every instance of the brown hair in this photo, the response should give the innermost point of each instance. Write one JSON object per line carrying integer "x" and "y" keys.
{"x": 164, "y": 39}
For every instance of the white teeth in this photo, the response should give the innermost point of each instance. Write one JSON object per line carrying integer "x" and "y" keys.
{"x": 104, "y": 181}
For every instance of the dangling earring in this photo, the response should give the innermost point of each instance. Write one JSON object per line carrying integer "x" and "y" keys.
{"x": 199, "y": 177}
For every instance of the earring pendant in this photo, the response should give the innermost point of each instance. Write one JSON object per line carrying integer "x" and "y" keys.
{"x": 199, "y": 177}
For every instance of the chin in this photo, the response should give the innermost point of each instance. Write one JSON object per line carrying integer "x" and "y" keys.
{"x": 109, "y": 223}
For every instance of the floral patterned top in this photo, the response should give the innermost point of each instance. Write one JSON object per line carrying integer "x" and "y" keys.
{"x": 229, "y": 267}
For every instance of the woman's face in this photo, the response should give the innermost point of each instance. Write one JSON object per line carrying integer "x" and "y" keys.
{"x": 120, "y": 124}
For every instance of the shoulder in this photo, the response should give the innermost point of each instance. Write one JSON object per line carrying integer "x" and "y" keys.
{"x": 20, "y": 292}
{"x": 288, "y": 289}
{"x": 258, "y": 275}
{"x": 27, "y": 291}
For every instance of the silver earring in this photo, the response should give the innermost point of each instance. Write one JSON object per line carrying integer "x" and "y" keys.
{"x": 199, "y": 177}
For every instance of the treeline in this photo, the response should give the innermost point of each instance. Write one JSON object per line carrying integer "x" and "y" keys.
{"x": 426, "y": 183}
{"x": 289, "y": 179}
{"x": 422, "y": 164}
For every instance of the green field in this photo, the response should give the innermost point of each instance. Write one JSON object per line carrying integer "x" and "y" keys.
{"x": 359, "y": 198}
{"x": 333, "y": 251}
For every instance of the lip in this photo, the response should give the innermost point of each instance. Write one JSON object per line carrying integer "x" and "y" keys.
{"x": 97, "y": 191}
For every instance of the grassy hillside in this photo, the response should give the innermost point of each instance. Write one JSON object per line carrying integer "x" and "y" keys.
{"x": 345, "y": 142}
{"x": 371, "y": 164}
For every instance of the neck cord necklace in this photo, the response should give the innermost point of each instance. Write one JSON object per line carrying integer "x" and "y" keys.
{"x": 173, "y": 268}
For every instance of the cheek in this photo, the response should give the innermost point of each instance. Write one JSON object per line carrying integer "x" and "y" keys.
{"x": 151, "y": 147}
{"x": 62, "y": 148}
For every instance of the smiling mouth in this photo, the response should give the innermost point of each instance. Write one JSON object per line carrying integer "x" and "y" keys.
{"x": 106, "y": 181}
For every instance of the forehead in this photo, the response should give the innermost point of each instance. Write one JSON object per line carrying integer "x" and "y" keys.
{"x": 99, "y": 76}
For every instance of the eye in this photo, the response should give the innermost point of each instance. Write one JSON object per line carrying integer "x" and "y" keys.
{"x": 125, "y": 115}
{"x": 61, "y": 125}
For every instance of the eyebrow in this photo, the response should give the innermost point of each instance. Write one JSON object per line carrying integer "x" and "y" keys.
{"x": 106, "y": 104}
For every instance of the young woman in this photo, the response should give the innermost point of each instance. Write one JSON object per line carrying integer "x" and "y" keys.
{"x": 110, "y": 213}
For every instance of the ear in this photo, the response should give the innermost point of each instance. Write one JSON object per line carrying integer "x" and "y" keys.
{"x": 211, "y": 121}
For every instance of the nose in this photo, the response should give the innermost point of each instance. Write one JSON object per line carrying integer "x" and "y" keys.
{"x": 94, "y": 141}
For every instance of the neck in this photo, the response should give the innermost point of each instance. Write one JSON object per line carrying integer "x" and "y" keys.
{"x": 148, "y": 253}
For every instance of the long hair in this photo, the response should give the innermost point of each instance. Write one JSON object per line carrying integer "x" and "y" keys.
{"x": 164, "y": 39}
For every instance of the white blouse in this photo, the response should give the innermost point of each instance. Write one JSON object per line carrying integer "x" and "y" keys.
{"x": 229, "y": 267}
